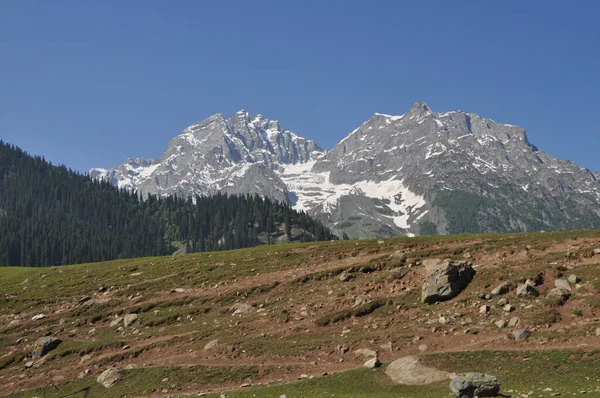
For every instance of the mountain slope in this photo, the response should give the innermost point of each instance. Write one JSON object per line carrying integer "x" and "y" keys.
{"x": 418, "y": 173}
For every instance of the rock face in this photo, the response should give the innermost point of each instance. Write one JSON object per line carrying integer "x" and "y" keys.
{"x": 417, "y": 173}
{"x": 44, "y": 345}
{"x": 109, "y": 377}
{"x": 471, "y": 385}
{"x": 409, "y": 371}
{"x": 445, "y": 279}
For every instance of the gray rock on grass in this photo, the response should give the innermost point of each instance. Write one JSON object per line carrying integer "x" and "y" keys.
{"x": 471, "y": 385}
{"x": 109, "y": 377}
{"x": 43, "y": 346}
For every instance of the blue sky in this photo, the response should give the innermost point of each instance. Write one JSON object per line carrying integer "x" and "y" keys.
{"x": 92, "y": 83}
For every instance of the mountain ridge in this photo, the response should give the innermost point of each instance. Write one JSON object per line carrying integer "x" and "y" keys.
{"x": 392, "y": 175}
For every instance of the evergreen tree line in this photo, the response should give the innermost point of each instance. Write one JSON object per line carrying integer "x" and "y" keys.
{"x": 52, "y": 215}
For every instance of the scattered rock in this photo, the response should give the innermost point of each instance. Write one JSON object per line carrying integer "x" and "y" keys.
{"x": 177, "y": 290}
{"x": 211, "y": 344}
{"x": 399, "y": 272}
{"x": 467, "y": 255}
{"x": 501, "y": 324}
{"x": 596, "y": 252}
{"x": 365, "y": 352}
{"x": 84, "y": 299}
{"x": 508, "y": 308}
{"x": 502, "y": 302}
{"x": 484, "y": 309}
{"x": 116, "y": 321}
{"x": 43, "y": 345}
{"x": 361, "y": 300}
{"x": 521, "y": 334}
{"x": 562, "y": 284}
{"x": 574, "y": 279}
{"x": 372, "y": 363}
{"x": 558, "y": 293}
{"x": 129, "y": 319}
{"x": 514, "y": 321}
{"x": 445, "y": 279}
{"x": 109, "y": 377}
{"x": 470, "y": 385}
{"x": 346, "y": 276}
{"x": 423, "y": 347}
{"x": 500, "y": 289}
{"x": 410, "y": 371}
{"x": 241, "y": 308}
{"x": 38, "y": 317}
{"x": 527, "y": 290}
{"x": 597, "y": 331}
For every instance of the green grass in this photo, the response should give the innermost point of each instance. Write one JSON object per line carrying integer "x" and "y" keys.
{"x": 565, "y": 372}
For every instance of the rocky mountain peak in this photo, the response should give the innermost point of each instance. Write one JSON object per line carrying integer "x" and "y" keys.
{"x": 420, "y": 108}
{"x": 417, "y": 173}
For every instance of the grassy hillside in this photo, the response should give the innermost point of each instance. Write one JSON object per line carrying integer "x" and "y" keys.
{"x": 212, "y": 322}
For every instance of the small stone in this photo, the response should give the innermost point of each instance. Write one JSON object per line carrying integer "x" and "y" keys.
{"x": 116, "y": 321}
{"x": 501, "y": 324}
{"x": 574, "y": 279}
{"x": 109, "y": 377}
{"x": 129, "y": 319}
{"x": 38, "y": 317}
{"x": 500, "y": 289}
{"x": 514, "y": 321}
{"x": 502, "y": 302}
{"x": 346, "y": 276}
{"x": 521, "y": 334}
{"x": 527, "y": 290}
{"x": 372, "y": 363}
{"x": 399, "y": 272}
{"x": 484, "y": 309}
{"x": 211, "y": 344}
{"x": 423, "y": 347}
{"x": 562, "y": 284}
{"x": 509, "y": 308}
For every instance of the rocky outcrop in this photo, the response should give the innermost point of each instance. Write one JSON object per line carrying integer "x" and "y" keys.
{"x": 445, "y": 280}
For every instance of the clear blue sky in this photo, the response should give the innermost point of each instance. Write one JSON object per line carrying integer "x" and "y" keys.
{"x": 91, "y": 83}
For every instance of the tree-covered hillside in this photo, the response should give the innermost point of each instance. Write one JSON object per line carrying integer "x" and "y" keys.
{"x": 51, "y": 215}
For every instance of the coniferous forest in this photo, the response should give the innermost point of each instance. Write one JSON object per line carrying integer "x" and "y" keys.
{"x": 51, "y": 215}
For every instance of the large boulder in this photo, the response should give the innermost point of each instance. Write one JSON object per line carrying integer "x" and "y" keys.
{"x": 445, "y": 279}
{"x": 109, "y": 377}
{"x": 409, "y": 371}
{"x": 471, "y": 385}
{"x": 43, "y": 345}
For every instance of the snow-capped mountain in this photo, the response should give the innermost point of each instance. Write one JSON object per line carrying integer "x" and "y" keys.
{"x": 419, "y": 173}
